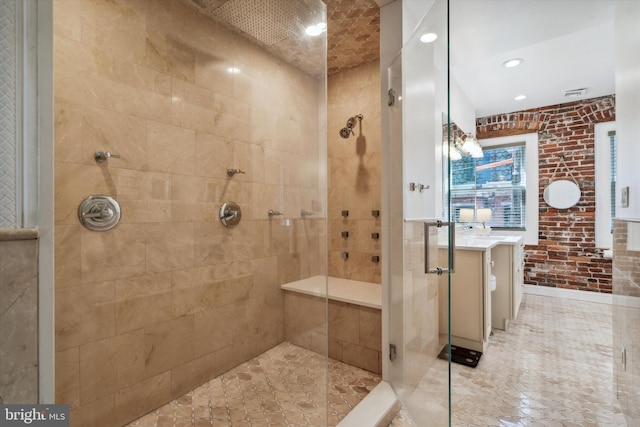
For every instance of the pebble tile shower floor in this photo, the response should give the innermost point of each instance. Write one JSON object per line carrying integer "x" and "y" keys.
{"x": 284, "y": 386}
{"x": 553, "y": 367}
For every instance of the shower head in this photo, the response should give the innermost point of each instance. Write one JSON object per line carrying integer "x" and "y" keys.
{"x": 345, "y": 132}
{"x": 351, "y": 123}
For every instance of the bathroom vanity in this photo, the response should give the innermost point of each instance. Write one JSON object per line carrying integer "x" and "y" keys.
{"x": 508, "y": 268}
{"x": 475, "y": 308}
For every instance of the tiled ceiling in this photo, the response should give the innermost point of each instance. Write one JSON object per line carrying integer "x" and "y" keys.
{"x": 353, "y": 29}
{"x": 353, "y": 32}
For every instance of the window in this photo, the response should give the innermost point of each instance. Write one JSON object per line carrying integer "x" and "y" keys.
{"x": 497, "y": 181}
{"x": 605, "y": 164}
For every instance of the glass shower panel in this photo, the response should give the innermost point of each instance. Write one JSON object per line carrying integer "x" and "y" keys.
{"x": 626, "y": 315}
{"x": 419, "y": 301}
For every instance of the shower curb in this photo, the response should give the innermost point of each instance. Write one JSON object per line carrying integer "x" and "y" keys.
{"x": 377, "y": 409}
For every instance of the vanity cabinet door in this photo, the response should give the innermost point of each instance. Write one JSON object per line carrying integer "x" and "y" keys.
{"x": 518, "y": 278}
{"x": 468, "y": 321}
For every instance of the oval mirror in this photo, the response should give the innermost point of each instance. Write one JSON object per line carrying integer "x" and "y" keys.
{"x": 562, "y": 194}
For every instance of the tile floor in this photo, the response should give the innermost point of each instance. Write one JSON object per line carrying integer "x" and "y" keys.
{"x": 284, "y": 386}
{"x": 553, "y": 367}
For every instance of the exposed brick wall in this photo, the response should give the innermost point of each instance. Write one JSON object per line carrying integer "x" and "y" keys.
{"x": 566, "y": 256}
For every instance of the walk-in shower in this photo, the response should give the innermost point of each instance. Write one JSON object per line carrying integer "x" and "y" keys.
{"x": 188, "y": 93}
{"x": 345, "y": 132}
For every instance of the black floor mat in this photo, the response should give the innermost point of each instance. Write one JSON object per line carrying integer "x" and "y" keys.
{"x": 461, "y": 355}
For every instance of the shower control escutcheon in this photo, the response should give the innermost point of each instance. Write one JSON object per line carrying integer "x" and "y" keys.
{"x": 99, "y": 213}
{"x": 230, "y": 214}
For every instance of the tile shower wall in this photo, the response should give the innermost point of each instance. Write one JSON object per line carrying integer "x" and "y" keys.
{"x": 170, "y": 298}
{"x": 626, "y": 317}
{"x": 18, "y": 316}
{"x": 355, "y": 331}
{"x": 354, "y": 173}
{"x": 566, "y": 255}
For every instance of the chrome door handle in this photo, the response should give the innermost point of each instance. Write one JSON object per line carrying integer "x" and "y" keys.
{"x": 451, "y": 248}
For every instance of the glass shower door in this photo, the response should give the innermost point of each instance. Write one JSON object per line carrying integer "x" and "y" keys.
{"x": 419, "y": 237}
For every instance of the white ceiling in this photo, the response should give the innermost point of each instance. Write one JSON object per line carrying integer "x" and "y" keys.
{"x": 565, "y": 44}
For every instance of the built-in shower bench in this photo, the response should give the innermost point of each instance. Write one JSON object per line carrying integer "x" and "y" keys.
{"x": 354, "y": 317}
{"x": 350, "y": 291}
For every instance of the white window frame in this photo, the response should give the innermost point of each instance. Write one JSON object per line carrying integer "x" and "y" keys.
{"x": 602, "y": 149}
{"x": 531, "y": 170}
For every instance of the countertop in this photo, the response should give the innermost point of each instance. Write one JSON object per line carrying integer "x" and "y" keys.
{"x": 474, "y": 242}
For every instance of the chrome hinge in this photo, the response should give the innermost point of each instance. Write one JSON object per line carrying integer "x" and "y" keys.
{"x": 392, "y": 97}
{"x": 392, "y": 352}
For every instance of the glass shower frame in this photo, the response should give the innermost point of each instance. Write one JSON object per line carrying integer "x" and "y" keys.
{"x": 419, "y": 173}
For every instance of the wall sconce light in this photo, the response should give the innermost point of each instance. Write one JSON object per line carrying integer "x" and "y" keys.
{"x": 454, "y": 154}
{"x": 468, "y": 146}
{"x": 472, "y": 147}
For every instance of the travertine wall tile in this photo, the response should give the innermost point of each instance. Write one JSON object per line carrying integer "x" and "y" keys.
{"x": 142, "y": 301}
{"x": 370, "y": 328}
{"x": 19, "y": 321}
{"x": 189, "y": 376}
{"x": 361, "y": 357}
{"x": 84, "y": 314}
{"x": 111, "y": 364}
{"x": 141, "y": 398}
{"x": 354, "y": 166}
{"x": 355, "y": 332}
{"x": 170, "y": 292}
{"x": 100, "y": 412}
{"x": 68, "y": 377}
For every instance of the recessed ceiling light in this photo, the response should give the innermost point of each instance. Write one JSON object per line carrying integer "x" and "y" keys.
{"x": 233, "y": 70}
{"x": 520, "y": 97}
{"x": 428, "y": 37}
{"x": 513, "y": 62}
{"x": 316, "y": 30}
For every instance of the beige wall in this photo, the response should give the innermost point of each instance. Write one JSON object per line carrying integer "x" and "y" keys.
{"x": 170, "y": 298}
{"x": 354, "y": 173}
